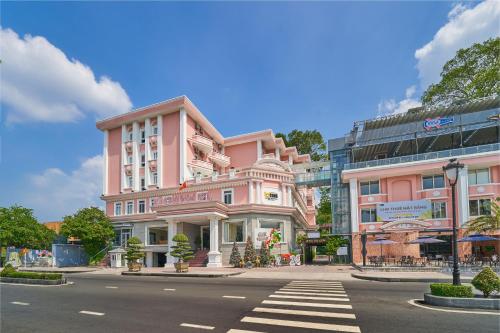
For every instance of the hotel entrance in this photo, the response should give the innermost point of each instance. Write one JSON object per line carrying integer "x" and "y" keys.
{"x": 205, "y": 237}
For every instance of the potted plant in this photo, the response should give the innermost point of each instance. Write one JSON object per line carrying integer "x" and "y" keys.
{"x": 134, "y": 254}
{"x": 182, "y": 251}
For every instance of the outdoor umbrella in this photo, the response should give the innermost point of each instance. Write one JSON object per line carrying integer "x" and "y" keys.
{"x": 477, "y": 238}
{"x": 426, "y": 240}
{"x": 382, "y": 241}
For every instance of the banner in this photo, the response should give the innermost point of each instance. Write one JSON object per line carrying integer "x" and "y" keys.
{"x": 404, "y": 210}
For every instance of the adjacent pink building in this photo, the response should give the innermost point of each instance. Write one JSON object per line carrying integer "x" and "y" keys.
{"x": 168, "y": 170}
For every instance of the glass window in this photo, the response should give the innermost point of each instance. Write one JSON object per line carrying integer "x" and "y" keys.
{"x": 155, "y": 130}
{"x": 154, "y": 177}
{"x": 233, "y": 232}
{"x": 435, "y": 181}
{"x": 125, "y": 234}
{"x": 143, "y": 136}
{"x": 157, "y": 236}
{"x": 130, "y": 181}
{"x": 143, "y": 183}
{"x": 228, "y": 197}
{"x": 130, "y": 207}
{"x": 438, "y": 210}
{"x": 143, "y": 160}
{"x": 368, "y": 215}
{"x": 142, "y": 206}
{"x": 274, "y": 225}
{"x": 155, "y": 155}
{"x": 130, "y": 136}
{"x": 129, "y": 159}
{"x": 479, "y": 176}
{"x": 371, "y": 187}
{"x": 479, "y": 207}
{"x": 118, "y": 208}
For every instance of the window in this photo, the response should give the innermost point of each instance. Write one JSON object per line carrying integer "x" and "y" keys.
{"x": 277, "y": 225}
{"x": 130, "y": 136}
{"x": 142, "y": 206}
{"x": 438, "y": 210}
{"x": 227, "y": 197}
{"x": 371, "y": 187}
{"x": 155, "y": 155}
{"x": 157, "y": 236}
{"x": 143, "y": 160}
{"x": 122, "y": 236}
{"x": 130, "y": 159}
{"x": 151, "y": 204}
{"x": 118, "y": 208}
{"x": 479, "y": 207}
{"x": 479, "y": 176}
{"x": 155, "y": 130}
{"x": 234, "y": 232}
{"x": 368, "y": 215}
{"x": 130, "y": 207}
{"x": 435, "y": 181}
{"x": 130, "y": 182}
{"x": 154, "y": 178}
{"x": 143, "y": 136}
{"x": 143, "y": 184}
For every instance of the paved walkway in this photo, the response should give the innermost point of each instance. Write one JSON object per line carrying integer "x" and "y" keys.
{"x": 305, "y": 272}
{"x": 407, "y": 276}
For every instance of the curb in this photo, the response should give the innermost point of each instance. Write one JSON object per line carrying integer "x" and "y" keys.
{"x": 463, "y": 302}
{"x": 210, "y": 275}
{"x": 400, "y": 279}
{"x": 33, "y": 281}
{"x": 56, "y": 271}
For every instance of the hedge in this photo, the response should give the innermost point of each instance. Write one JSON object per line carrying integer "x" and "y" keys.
{"x": 450, "y": 290}
{"x": 12, "y": 273}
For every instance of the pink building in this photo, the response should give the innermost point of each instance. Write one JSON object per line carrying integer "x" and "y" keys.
{"x": 168, "y": 170}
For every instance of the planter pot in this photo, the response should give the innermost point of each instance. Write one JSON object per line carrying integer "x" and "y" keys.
{"x": 181, "y": 267}
{"x": 134, "y": 266}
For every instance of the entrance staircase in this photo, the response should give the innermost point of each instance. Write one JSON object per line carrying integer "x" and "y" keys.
{"x": 200, "y": 259}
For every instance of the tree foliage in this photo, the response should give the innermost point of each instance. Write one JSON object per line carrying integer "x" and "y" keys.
{"x": 182, "y": 249}
{"x": 333, "y": 243}
{"x": 134, "y": 249}
{"x": 19, "y": 228}
{"x": 486, "y": 223}
{"x": 235, "y": 257}
{"x": 473, "y": 73}
{"x": 250, "y": 254}
{"x": 307, "y": 142}
{"x": 91, "y": 226}
{"x": 324, "y": 208}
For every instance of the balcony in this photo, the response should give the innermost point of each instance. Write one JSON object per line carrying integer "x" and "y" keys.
{"x": 128, "y": 146}
{"x": 268, "y": 156}
{"x": 202, "y": 143}
{"x": 153, "y": 140}
{"x": 152, "y": 165}
{"x": 220, "y": 159}
{"x": 203, "y": 167}
{"x": 128, "y": 169}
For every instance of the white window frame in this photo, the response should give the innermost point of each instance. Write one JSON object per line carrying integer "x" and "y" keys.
{"x": 130, "y": 181}
{"x": 154, "y": 178}
{"x": 283, "y": 234}
{"x": 121, "y": 208}
{"x": 130, "y": 135}
{"x": 371, "y": 209}
{"x": 478, "y": 206}
{"x": 130, "y": 159}
{"x": 139, "y": 206}
{"x": 146, "y": 234}
{"x": 475, "y": 174}
{"x": 143, "y": 160}
{"x": 154, "y": 129}
{"x": 230, "y": 222}
{"x": 223, "y": 192}
{"x": 143, "y": 135}
{"x": 369, "y": 187}
{"x": 155, "y": 155}
{"x": 151, "y": 202}
{"x": 445, "y": 210}
{"x": 126, "y": 208}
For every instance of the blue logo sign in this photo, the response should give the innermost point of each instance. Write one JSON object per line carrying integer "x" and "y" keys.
{"x": 431, "y": 123}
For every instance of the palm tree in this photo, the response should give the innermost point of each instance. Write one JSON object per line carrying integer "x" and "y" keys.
{"x": 488, "y": 222}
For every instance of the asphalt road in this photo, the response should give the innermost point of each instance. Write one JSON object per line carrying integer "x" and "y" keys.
{"x": 158, "y": 304}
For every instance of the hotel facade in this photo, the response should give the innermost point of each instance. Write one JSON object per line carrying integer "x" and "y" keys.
{"x": 168, "y": 170}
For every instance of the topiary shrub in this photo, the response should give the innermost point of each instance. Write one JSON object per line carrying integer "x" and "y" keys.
{"x": 487, "y": 281}
{"x": 450, "y": 290}
{"x": 182, "y": 249}
{"x": 264, "y": 254}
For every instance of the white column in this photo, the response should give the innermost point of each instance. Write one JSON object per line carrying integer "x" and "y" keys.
{"x": 147, "y": 151}
{"x": 182, "y": 147}
{"x": 159, "y": 147}
{"x": 250, "y": 192}
{"x": 289, "y": 195}
{"x": 290, "y": 159}
{"x": 172, "y": 231}
{"x": 258, "y": 191}
{"x": 463, "y": 196}
{"x": 214, "y": 256}
{"x": 124, "y": 157}
{"x": 259, "y": 149}
{"x": 149, "y": 259}
{"x": 105, "y": 163}
{"x": 353, "y": 189}
{"x": 136, "y": 156}
{"x": 277, "y": 153}
{"x": 284, "y": 195}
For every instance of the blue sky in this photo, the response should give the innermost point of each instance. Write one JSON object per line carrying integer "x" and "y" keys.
{"x": 247, "y": 66}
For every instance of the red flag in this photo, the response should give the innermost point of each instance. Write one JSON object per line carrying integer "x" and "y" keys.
{"x": 183, "y": 186}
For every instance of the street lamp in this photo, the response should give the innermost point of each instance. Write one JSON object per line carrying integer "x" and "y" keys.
{"x": 452, "y": 169}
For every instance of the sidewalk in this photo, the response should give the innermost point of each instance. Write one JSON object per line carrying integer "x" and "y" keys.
{"x": 407, "y": 276}
{"x": 304, "y": 272}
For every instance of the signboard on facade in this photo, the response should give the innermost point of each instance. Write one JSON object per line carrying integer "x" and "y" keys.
{"x": 438, "y": 122}
{"x": 404, "y": 210}
{"x": 260, "y": 235}
{"x": 272, "y": 196}
{"x": 180, "y": 198}
{"x": 313, "y": 234}
{"x": 342, "y": 251}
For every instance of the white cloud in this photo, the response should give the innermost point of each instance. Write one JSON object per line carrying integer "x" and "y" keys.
{"x": 390, "y": 106}
{"x": 54, "y": 193}
{"x": 40, "y": 83}
{"x": 465, "y": 27}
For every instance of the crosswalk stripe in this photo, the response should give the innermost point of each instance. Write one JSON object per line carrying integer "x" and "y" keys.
{"x": 312, "y": 294}
{"x": 317, "y": 283}
{"x": 311, "y": 298}
{"x": 307, "y": 313}
{"x": 232, "y": 330}
{"x": 315, "y": 289}
{"x": 339, "y": 291}
{"x": 203, "y": 327}
{"x": 302, "y": 324}
{"x": 307, "y": 304}
{"x": 20, "y": 303}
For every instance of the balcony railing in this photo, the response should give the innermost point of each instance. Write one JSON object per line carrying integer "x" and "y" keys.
{"x": 425, "y": 156}
{"x": 202, "y": 143}
{"x": 203, "y": 167}
{"x": 220, "y": 159}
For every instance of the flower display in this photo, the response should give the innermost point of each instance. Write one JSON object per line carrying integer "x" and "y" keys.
{"x": 273, "y": 239}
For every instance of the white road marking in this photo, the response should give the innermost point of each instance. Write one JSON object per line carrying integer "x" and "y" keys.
{"x": 316, "y": 305}
{"x": 314, "y": 281}
{"x": 312, "y": 294}
{"x": 314, "y": 287}
{"x": 203, "y": 327}
{"x": 168, "y": 289}
{"x": 317, "y": 283}
{"x": 307, "y": 313}
{"x": 238, "y": 297}
{"x": 412, "y": 302}
{"x": 338, "y": 291}
{"x": 20, "y": 303}
{"x": 232, "y": 330}
{"x": 302, "y": 324}
{"x": 92, "y": 313}
{"x": 111, "y": 287}
{"x": 311, "y": 298}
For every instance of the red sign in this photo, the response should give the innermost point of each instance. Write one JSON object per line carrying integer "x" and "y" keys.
{"x": 180, "y": 198}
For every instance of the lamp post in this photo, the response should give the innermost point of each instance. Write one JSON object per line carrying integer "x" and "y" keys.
{"x": 452, "y": 170}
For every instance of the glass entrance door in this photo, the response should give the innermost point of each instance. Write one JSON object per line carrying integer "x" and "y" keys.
{"x": 205, "y": 238}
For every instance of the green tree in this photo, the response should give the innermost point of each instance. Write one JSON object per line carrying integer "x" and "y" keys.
{"x": 324, "y": 208}
{"x": 249, "y": 255}
{"x": 19, "y": 228}
{"x": 332, "y": 245}
{"x": 182, "y": 249}
{"x": 307, "y": 142}
{"x": 264, "y": 254}
{"x": 486, "y": 223}
{"x": 235, "y": 257}
{"x": 472, "y": 73}
{"x": 134, "y": 249}
{"x": 91, "y": 226}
